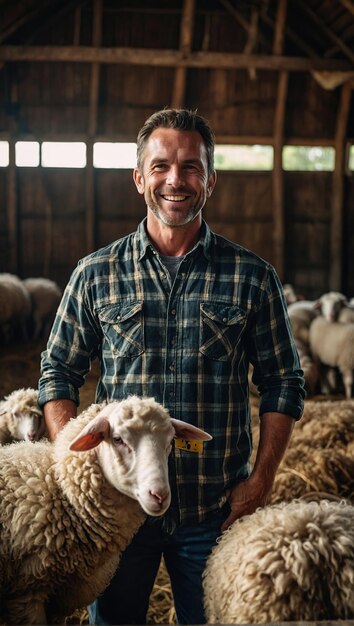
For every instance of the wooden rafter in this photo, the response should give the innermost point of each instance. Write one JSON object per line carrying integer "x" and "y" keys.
{"x": 325, "y": 29}
{"x": 168, "y": 58}
{"x": 186, "y": 40}
{"x": 349, "y": 5}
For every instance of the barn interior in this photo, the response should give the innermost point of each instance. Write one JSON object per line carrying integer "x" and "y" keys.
{"x": 78, "y": 78}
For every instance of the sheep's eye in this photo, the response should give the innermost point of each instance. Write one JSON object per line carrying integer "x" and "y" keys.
{"x": 117, "y": 440}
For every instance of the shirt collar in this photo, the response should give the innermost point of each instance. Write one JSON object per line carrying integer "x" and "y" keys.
{"x": 143, "y": 243}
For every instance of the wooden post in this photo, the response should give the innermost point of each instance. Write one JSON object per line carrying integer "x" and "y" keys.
{"x": 92, "y": 130}
{"x": 186, "y": 39}
{"x": 12, "y": 210}
{"x": 278, "y": 142}
{"x": 336, "y": 232}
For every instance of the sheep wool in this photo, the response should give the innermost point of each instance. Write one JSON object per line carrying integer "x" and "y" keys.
{"x": 287, "y": 562}
{"x": 21, "y": 418}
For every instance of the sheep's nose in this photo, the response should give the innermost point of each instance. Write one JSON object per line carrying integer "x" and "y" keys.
{"x": 32, "y": 436}
{"x": 160, "y": 497}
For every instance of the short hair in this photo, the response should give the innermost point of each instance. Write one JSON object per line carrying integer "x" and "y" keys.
{"x": 179, "y": 119}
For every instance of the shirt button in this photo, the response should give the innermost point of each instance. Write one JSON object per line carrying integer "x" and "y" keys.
{"x": 173, "y": 312}
{"x": 224, "y": 319}
{"x": 172, "y": 367}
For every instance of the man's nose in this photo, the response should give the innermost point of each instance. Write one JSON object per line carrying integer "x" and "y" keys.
{"x": 175, "y": 176}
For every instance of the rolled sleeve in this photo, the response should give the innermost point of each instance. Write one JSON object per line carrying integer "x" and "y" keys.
{"x": 277, "y": 372}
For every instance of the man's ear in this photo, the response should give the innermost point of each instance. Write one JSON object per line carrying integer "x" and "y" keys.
{"x": 211, "y": 183}
{"x": 139, "y": 180}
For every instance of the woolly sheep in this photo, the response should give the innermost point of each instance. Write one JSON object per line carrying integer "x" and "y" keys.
{"x": 45, "y": 296}
{"x": 21, "y": 418}
{"x": 69, "y": 508}
{"x": 332, "y": 343}
{"x": 346, "y": 314}
{"x": 330, "y": 305}
{"x": 301, "y": 315}
{"x": 287, "y": 562}
{"x": 15, "y": 307}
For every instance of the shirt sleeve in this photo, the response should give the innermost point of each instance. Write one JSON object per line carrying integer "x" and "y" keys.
{"x": 72, "y": 345}
{"x": 277, "y": 372}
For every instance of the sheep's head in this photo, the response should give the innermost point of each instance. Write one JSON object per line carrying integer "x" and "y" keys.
{"x": 134, "y": 439}
{"x": 330, "y": 304}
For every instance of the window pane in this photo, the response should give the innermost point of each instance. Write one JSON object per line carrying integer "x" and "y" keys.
{"x": 308, "y": 158}
{"x": 351, "y": 158}
{"x": 232, "y": 157}
{"x": 114, "y": 155}
{"x": 4, "y": 153}
{"x": 63, "y": 154}
{"x": 27, "y": 153}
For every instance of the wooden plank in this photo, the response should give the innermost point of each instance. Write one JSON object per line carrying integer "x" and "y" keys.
{"x": 336, "y": 252}
{"x": 349, "y": 5}
{"x": 12, "y": 217}
{"x": 279, "y": 121}
{"x": 168, "y": 58}
{"x": 186, "y": 40}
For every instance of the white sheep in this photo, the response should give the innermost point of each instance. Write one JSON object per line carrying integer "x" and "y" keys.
{"x": 287, "y": 562}
{"x": 332, "y": 343}
{"x": 346, "y": 314}
{"x": 15, "y": 307}
{"x": 45, "y": 296}
{"x": 69, "y": 508}
{"x": 330, "y": 305}
{"x": 301, "y": 315}
{"x": 21, "y": 418}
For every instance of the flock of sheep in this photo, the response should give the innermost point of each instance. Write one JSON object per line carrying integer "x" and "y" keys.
{"x": 27, "y": 307}
{"x": 323, "y": 330}
{"x": 67, "y": 511}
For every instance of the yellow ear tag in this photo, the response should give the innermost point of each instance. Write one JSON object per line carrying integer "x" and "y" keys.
{"x": 193, "y": 445}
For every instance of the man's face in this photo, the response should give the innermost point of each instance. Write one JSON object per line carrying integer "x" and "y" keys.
{"x": 174, "y": 175}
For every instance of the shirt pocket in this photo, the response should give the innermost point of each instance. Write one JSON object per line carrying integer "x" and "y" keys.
{"x": 123, "y": 327}
{"x": 221, "y": 329}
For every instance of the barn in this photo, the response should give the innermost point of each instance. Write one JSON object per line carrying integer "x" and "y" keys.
{"x": 78, "y": 78}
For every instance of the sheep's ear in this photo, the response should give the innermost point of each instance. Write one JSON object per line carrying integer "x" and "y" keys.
{"x": 90, "y": 436}
{"x": 187, "y": 431}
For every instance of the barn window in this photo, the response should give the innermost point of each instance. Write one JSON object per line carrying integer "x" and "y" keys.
{"x": 308, "y": 158}
{"x": 4, "y": 153}
{"x": 114, "y": 155}
{"x": 63, "y": 154}
{"x": 240, "y": 157}
{"x": 27, "y": 153}
{"x": 351, "y": 159}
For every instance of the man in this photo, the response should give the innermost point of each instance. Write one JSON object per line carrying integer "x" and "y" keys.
{"x": 177, "y": 312}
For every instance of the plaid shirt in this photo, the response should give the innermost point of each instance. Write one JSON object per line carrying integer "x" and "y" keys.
{"x": 187, "y": 344}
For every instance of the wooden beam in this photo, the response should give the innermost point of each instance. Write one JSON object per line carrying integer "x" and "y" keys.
{"x": 278, "y": 132}
{"x": 253, "y": 34}
{"x": 22, "y": 20}
{"x": 186, "y": 41}
{"x": 336, "y": 234}
{"x": 325, "y": 29}
{"x": 12, "y": 210}
{"x": 168, "y": 58}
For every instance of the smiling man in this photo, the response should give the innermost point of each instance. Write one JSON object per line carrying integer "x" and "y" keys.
{"x": 177, "y": 312}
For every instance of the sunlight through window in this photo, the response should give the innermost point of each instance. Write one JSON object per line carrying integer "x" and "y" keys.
{"x": 63, "y": 154}
{"x": 27, "y": 153}
{"x": 4, "y": 153}
{"x": 308, "y": 158}
{"x": 114, "y": 155}
{"x": 238, "y": 157}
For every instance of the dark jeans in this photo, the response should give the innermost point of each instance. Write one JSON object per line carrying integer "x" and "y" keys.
{"x": 185, "y": 550}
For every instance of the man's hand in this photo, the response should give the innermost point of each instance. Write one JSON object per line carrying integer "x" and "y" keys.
{"x": 245, "y": 498}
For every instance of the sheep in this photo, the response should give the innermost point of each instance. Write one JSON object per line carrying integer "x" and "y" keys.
{"x": 21, "y": 418}
{"x": 15, "y": 307}
{"x": 69, "y": 508}
{"x": 287, "y": 562}
{"x": 332, "y": 343}
{"x": 346, "y": 314}
{"x": 301, "y": 315}
{"x": 330, "y": 305}
{"x": 45, "y": 296}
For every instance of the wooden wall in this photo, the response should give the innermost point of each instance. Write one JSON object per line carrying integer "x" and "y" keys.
{"x": 49, "y": 218}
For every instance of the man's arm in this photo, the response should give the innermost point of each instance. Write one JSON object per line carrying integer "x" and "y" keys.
{"x": 248, "y": 495}
{"x": 57, "y": 413}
